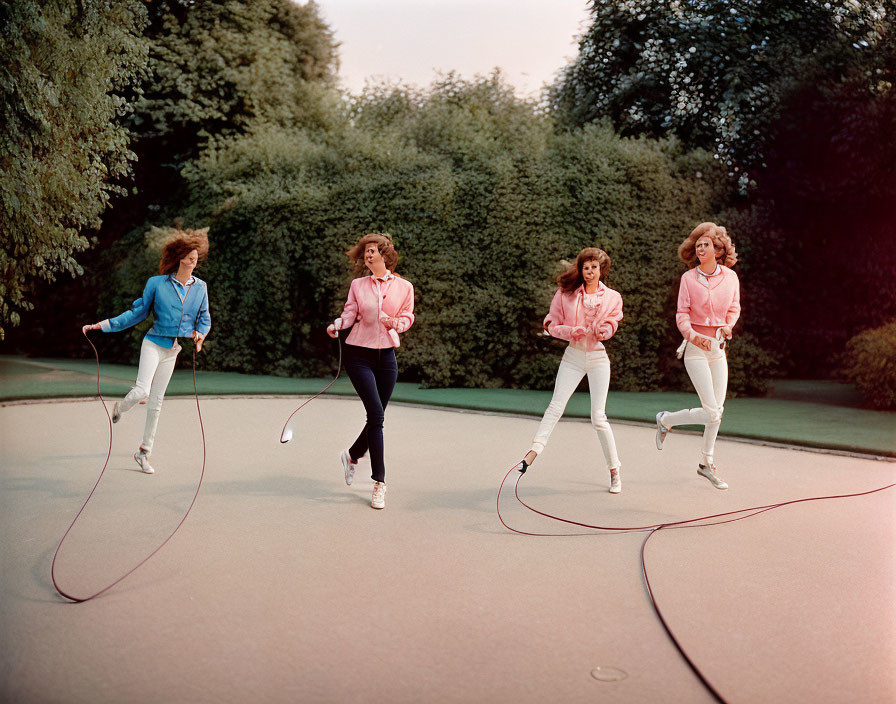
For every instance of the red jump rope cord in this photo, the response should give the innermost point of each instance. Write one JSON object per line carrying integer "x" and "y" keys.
{"x": 319, "y": 393}
{"x": 685, "y": 523}
{"x": 739, "y": 514}
{"x": 78, "y": 599}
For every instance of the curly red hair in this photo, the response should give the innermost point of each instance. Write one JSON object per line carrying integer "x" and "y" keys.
{"x": 383, "y": 243}
{"x": 572, "y": 278}
{"x": 725, "y": 253}
{"x": 184, "y": 242}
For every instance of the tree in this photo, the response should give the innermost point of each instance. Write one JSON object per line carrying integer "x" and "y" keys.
{"x": 63, "y": 151}
{"x": 713, "y": 72}
{"x": 820, "y": 220}
{"x": 797, "y": 99}
{"x": 220, "y": 65}
{"x": 220, "y": 68}
{"x": 212, "y": 68}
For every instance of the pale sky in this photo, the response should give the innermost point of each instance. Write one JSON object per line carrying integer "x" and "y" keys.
{"x": 410, "y": 40}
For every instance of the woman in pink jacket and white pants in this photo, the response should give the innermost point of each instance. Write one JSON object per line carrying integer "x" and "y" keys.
{"x": 379, "y": 307}
{"x": 708, "y": 308}
{"x": 586, "y": 312}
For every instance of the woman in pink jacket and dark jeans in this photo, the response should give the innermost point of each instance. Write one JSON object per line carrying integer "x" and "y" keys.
{"x": 708, "y": 307}
{"x": 586, "y": 312}
{"x": 379, "y": 307}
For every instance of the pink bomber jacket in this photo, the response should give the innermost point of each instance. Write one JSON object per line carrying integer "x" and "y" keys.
{"x": 568, "y": 312}
{"x": 707, "y": 303}
{"x": 378, "y": 309}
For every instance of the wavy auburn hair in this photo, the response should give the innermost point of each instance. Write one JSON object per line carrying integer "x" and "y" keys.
{"x": 572, "y": 278}
{"x": 725, "y": 253}
{"x": 383, "y": 241}
{"x": 184, "y": 242}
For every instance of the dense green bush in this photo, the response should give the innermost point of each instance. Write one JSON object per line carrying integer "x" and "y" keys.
{"x": 483, "y": 199}
{"x": 871, "y": 364}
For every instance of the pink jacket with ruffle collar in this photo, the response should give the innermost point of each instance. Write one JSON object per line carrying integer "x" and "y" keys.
{"x": 568, "y": 312}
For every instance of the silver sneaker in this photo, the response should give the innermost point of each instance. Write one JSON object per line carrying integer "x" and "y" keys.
{"x": 710, "y": 473}
{"x": 378, "y": 500}
{"x": 141, "y": 459}
{"x": 348, "y": 467}
{"x": 116, "y": 413}
{"x": 661, "y": 431}
{"x": 615, "y": 481}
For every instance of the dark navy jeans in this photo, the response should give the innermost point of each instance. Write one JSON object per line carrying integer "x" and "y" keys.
{"x": 373, "y": 373}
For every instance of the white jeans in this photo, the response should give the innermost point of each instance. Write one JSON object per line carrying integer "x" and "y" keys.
{"x": 574, "y": 365}
{"x": 709, "y": 374}
{"x": 153, "y": 375}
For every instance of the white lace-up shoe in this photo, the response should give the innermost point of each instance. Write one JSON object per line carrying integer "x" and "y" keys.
{"x": 116, "y": 413}
{"x": 141, "y": 459}
{"x": 378, "y": 500}
{"x": 615, "y": 481}
{"x": 710, "y": 473}
{"x": 348, "y": 467}
{"x": 661, "y": 430}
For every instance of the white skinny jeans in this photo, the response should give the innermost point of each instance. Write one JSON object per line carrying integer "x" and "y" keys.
{"x": 709, "y": 374}
{"x": 153, "y": 375}
{"x": 574, "y": 365}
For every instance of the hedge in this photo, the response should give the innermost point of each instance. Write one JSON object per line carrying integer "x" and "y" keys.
{"x": 485, "y": 201}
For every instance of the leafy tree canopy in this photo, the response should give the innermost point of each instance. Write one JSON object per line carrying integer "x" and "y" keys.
{"x": 713, "y": 72}
{"x": 90, "y": 86}
{"x": 63, "y": 151}
{"x": 219, "y": 65}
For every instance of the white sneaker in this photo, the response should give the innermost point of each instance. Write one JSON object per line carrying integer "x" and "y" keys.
{"x": 661, "y": 431}
{"x": 348, "y": 467}
{"x": 615, "y": 481}
{"x": 116, "y": 413}
{"x": 710, "y": 473}
{"x": 141, "y": 459}
{"x": 378, "y": 500}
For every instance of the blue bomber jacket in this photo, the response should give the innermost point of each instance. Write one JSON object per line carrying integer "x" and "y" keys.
{"x": 175, "y": 313}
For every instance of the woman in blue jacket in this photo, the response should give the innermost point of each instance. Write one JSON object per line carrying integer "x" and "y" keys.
{"x": 179, "y": 304}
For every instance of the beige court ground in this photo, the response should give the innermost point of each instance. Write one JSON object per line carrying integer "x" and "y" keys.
{"x": 285, "y": 586}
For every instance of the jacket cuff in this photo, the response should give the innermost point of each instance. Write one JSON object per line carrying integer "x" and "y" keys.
{"x": 561, "y": 332}
{"x": 106, "y": 326}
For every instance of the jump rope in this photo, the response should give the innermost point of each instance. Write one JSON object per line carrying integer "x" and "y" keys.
{"x": 651, "y": 530}
{"x": 80, "y": 599}
{"x": 286, "y": 435}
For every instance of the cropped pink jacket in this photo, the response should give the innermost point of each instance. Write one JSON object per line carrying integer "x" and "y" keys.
{"x": 707, "y": 303}
{"x": 568, "y": 311}
{"x": 378, "y": 309}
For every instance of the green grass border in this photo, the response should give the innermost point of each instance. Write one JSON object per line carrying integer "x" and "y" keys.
{"x": 823, "y": 415}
